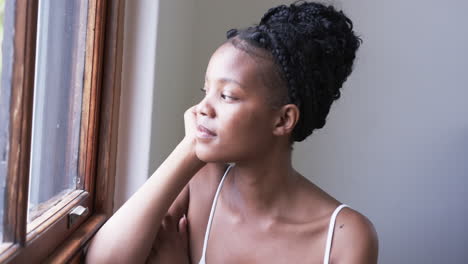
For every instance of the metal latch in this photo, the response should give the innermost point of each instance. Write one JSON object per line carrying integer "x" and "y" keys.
{"x": 75, "y": 214}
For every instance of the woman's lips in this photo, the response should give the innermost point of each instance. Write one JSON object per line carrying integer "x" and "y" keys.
{"x": 204, "y": 132}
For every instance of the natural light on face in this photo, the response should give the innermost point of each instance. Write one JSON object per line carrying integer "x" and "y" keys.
{"x": 235, "y": 108}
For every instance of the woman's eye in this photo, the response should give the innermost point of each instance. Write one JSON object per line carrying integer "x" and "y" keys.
{"x": 224, "y": 96}
{"x": 227, "y": 97}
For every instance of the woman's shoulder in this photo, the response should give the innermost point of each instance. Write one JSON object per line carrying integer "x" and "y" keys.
{"x": 203, "y": 185}
{"x": 351, "y": 228}
{"x": 354, "y": 228}
{"x": 208, "y": 177}
{"x": 202, "y": 189}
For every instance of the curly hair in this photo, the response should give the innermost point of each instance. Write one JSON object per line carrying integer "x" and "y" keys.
{"x": 313, "y": 47}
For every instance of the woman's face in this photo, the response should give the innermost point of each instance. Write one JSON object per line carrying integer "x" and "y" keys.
{"x": 235, "y": 108}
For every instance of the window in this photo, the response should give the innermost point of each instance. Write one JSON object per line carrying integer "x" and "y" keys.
{"x": 2, "y": 139}
{"x": 59, "y": 92}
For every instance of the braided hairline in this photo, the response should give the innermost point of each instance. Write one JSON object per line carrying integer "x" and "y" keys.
{"x": 289, "y": 68}
{"x": 274, "y": 45}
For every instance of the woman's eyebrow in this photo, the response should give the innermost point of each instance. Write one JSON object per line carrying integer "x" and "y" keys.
{"x": 227, "y": 80}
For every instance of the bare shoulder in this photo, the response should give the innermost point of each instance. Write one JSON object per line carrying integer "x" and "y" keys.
{"x": 202, "y": 187}
{"x": 202, "y": 190}
{"x": 355, "y": 239}
{"x": 198, "y": 184}
{"x": 209, "y": 175}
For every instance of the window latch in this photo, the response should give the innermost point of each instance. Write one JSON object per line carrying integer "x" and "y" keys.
{"x": 75, "y": 214}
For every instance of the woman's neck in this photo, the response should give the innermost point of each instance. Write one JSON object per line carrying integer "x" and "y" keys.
{"x": 261, "y": 187}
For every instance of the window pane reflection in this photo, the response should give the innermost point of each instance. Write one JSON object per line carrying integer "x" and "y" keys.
{"x": 60, "y": 57}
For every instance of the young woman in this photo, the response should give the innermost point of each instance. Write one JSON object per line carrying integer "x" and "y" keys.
{"x": 228, "y": 192}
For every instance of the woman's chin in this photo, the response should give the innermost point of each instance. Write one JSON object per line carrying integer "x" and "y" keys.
{"x": 208, "y": 154}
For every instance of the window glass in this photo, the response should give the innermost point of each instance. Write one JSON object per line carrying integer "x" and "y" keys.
{"x": 58, "y": 88}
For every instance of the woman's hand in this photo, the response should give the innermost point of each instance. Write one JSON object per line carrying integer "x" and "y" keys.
{"x": 171, "y": 245}
{"x": 190, "y": 121}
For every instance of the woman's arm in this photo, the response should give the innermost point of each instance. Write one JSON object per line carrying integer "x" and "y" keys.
{"x": 127, "y": 237}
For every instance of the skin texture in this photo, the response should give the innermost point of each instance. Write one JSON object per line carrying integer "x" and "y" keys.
{"x": 267, "y": 212}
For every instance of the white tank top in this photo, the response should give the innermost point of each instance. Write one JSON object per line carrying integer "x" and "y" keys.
{"x": 331, "y": 226}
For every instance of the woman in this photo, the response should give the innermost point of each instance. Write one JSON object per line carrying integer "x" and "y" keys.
{"x": 228, "y": 192}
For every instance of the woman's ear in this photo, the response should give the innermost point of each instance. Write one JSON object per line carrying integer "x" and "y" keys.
{"x": 286, "y": 120}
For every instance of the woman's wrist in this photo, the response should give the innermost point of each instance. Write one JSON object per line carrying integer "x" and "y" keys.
{"x": 188, "y": 145}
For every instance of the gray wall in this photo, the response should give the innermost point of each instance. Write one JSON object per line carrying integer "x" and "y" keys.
{"x": 174, "y": 79}
{"x": 395, "y": 145}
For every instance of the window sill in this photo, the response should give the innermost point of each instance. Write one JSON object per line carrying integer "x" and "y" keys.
{"x": 75, "y": 244}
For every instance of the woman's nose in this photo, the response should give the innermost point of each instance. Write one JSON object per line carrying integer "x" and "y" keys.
{"x": 205, "y": 108}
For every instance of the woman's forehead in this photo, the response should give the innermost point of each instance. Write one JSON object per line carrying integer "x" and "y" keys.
{"x": 229, "y": 63}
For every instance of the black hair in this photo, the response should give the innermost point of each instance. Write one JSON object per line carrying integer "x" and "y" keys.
{"x": 313, "y": 47}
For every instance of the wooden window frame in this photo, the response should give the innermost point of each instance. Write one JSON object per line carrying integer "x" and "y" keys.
{"x": 52, "y": 240}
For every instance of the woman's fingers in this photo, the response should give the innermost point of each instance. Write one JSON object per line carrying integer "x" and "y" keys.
{"x": 171, "y": 230}
{"x": 183, "y": 225}
{"x": 168, "y": 228}
{"x": 190, "y": 121}
{"x": 171, "y": 242}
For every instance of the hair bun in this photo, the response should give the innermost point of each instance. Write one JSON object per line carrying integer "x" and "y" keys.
{"x": 314, "y": 47}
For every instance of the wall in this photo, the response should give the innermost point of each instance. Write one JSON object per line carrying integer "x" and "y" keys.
{"x": 136, "y": 99}
{"x": 174, "y": 87}
{"x": 395, "y": 145}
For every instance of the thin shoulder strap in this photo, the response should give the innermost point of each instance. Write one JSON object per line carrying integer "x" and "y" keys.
{"x": 331, "y": 228}
{"x": 213, "y": 208}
